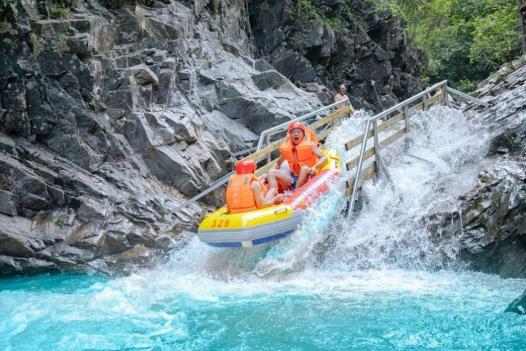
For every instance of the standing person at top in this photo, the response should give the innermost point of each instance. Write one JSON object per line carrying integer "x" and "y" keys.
{"x": 341, "y": 95}
{"x": 245, "y": 192}
{"x": 302, "y": 156}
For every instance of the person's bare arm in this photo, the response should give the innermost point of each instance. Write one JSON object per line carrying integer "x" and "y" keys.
{"x": 256, "y": 188}
{"x": 260, "y": 200}
{"x": 351, "y": 107}
{"x": 321, "y": 157}
{"x": 278, "y": 162}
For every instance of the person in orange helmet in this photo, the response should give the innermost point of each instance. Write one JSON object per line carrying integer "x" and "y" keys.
{"x": 245, "y": 192}
{"x": 303, "y": 157}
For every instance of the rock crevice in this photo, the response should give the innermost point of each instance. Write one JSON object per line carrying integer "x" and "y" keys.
{"x": 111, "y": 117}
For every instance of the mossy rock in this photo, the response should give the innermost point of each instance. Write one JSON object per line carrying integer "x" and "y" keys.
{"x": 116, "y": 4}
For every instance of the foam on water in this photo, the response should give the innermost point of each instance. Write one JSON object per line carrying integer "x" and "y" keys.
{"x": 445, "y": 153}
{"x": 378, "y": 283}
{"x": 312, "y": 310}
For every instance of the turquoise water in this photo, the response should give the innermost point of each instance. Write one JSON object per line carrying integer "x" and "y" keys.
{"x": 378, "y": 283}
{"x": 162, "y": 310}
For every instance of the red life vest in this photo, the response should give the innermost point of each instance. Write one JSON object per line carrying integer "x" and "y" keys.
{"x": 239, "y": 194}
{"x": 298, "y": 155}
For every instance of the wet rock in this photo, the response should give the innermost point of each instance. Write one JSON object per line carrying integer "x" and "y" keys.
{"x": 15, "y": 266}
{"x": 233, "y": 133}
{"x": 13, "y": 239}
{"x": 373, "y": 46}
{"x": 512, "y": 140}
{"x": 269, "y": 79}
{"x": 494, "y": 224}
{"x": 492, "y": 228}
{"x": 8, "y": 203}
{"x": 144, "y": 75}
{"x": 166, "y": 86}
{"x": 79, "y": 45}
{"x": 38, "y": 110}
{"x": 262, "y": 65}
{"x": 182, "y": 171}
{"x": 519, "y": 305}
{"x": 294, "y": 66}
{"x": 91, "y": 210}
{"x": 182, "y": 127}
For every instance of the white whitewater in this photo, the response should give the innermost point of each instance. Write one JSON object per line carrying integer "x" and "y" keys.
{"x": 438, "y": 161}
{"x": 380, "y": 282}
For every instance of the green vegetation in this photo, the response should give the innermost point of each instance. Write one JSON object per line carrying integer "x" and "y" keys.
{"x": 5, "y": 3}
{"x": 464, "y": 40}
{"x": 115, "y": 4}
{"x": 344, "y": 17}
{"x": 61, "y": 9}
{"x": 307, "y": 11}
{"x": 6, "y": 8}
{"x": 62, "y": 43}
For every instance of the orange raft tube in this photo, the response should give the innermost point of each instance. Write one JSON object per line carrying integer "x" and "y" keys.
{"x": 247, "y": 229}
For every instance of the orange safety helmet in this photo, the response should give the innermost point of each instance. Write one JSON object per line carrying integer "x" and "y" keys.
{"x": 245, "y": 166}
{"x": 296, "y": 125}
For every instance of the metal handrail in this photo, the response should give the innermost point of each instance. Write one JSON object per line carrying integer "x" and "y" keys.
{"x": 359, "y": 169}
{"x": 215, "y": 185}
{"x": 466, "y": 96}
{"x": 402, "y": 106}
{"x": 271, "y": 131}
{"x": 369, "y": 121}
{"x": 406, "y": 102}
{"x": 224, "y": 179}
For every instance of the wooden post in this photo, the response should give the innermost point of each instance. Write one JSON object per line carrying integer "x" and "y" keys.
{"x": 376, "y": 147}
{"x": 269, "y": 157}
{"x": 406, "y": 118}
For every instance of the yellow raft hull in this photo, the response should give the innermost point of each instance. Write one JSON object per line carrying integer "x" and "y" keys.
{"x": 247, "y": 229}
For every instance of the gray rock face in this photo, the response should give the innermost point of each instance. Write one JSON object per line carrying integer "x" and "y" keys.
{"x": 334, "y": 42}
{"x": 111, "y": 117}
{"x": 519, "y": 305}
{"x": 494, "y": 221}
{"x": 492, "y": 224}
{"x": 8, "y": 203}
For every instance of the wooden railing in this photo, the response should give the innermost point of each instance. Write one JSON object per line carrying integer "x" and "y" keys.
{"x": 327, "y": 121}
{"x": 333, "y": 114}
{"x": 394, "y": 119}
{"x": 387, "y": 125}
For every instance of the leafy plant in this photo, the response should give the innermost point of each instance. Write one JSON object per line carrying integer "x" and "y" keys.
{"x": 115, "y": 4}
{"x": 6, "y": 8}
{"x": 6, "y": 3}
{"x": 62, "y": 43}
{"x": 464, "y": 40}
{"x": 307, "y": 11}
{"x": 60, "y": 12}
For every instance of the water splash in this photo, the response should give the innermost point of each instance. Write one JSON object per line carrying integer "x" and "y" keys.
{"x": 438, "y": 161}
{"x": 392, "y": 229}
{"x": 373, "y": 284}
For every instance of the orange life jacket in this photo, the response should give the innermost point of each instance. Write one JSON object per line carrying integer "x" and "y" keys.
{"x": 239, "y": 195}
{"x": 311, "y": 136}
{"x": 298, "y": 155}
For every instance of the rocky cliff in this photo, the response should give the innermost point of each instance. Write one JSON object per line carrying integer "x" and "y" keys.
{"x": 111, "y": 117}
{"x": 491, "y": 221}
{"x": 494, "y": 238}
{"x": 113, "y": 112}
{"x": 333, "y": 42}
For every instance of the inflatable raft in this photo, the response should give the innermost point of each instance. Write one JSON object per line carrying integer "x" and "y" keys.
{"x": 248, "y": 229}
